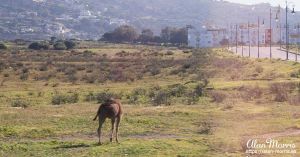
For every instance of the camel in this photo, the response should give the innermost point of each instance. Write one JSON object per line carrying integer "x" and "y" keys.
{"x": 111, "y": 109}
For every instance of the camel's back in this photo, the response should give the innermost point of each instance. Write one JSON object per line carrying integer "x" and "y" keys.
{"x": 111, "y": 109}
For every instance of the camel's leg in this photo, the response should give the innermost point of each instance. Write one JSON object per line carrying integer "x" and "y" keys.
{"x": 112, "y": 128}
{"x": 101, "y": 121}
{"x": 117, "y": 128}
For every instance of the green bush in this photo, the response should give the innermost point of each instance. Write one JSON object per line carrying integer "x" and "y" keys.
{"x": 138, "y": 95}
{"x": 39, "y": 46}
{"x": 160, "y": 98}
{"x": 59, "y": 46}
{"x": 70, "y": 44}
{"x": 19, "y": 103}
{"x": 59, "y": 99}
{"x": 3, "y": 46}
{"x": 177, "y": 90}
{"x": 101, "y": 97}
{"x": 104, "y": 96}
{"x": 169, "y": 53}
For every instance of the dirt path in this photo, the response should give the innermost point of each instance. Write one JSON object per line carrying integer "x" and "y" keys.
{"x": 288, "y": 132}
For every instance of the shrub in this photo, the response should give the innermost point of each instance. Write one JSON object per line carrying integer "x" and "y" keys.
{"x": 294, "y": 100}
{"x": 161, "y": 97}
{"x": 39, "y": 46}
{"x": 104, "y": 96}
{"x": 217, "y": 96}
{"x": 59, "y": 99}
{"x": 43, "y": 67}
{"x": 137, "y": 95}
{"x": 259, "y": 69}
{"x": 90, "y": 97}
{"x": 3, "y": 46}
{"x": 24, "y": 76}
{"x": 60, "y": 46}
{"x": 280, "y": 90}
{"x": 177, "y": 90}
{"x": 251, "y": 93}
{"x": 19, "y": 103}
{"x": 70, "y": 44}
{"x": 169, "y": 53}
{"x": 154, "y": 70}
{"x": 295, "y": 74}
{"x": 186, "y": 51}
{"x": 199, "y": 89}
{"x": 205, "y": 128}
{"x": 89, "y": 78}
{"x": 72, "y": 78}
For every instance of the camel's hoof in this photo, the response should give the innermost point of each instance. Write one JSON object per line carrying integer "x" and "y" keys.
{"x": 111, "y": 140}
{"x": 99, "y": 143}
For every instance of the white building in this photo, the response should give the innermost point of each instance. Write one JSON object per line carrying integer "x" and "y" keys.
{"x": 241, "y": 34}
{"x": 210, "y": 37}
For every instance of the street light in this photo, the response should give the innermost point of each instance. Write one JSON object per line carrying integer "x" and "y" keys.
{"x": 278, "y": 20}
{"x": 258, "y": 42}
{"x": 298, "y": 31}
{"x": 236, "y": 38}
{"x": 270, "y": 33}
{"x": 287, "y": 27}
{"x": 249, "y": 51}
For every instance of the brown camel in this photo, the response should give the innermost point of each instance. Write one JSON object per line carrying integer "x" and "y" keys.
{"x": 111, "y": 109}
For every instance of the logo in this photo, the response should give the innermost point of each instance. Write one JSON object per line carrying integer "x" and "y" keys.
{"x": 269, "y": 146}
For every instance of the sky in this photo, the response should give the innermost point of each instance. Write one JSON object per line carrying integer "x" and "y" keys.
{"x": 292, "y": 3}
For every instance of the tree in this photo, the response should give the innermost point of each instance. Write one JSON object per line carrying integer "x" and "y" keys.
{"x": 166, "y": 34}
{"x": 60, "y": 45}
{"x": 3, "y": 46}
{"x": 224, "y": 42}
{"x": 157, "y": 39}
{"x": 179, "y": 36}
{"x": 174, "y": 35}
{"x": 123, "y": 33}
{"x": 108, "y": 36}
{"x": 70, "y": 44}
{"x": 39, "y": 46}
{"x": 146, "y": 36}
{"x": 53, "y": 40}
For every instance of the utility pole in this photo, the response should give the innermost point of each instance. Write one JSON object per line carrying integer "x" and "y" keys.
{"x": 236, "y": 38}
{"x": 249, "y": 39}
{"x": 231, "y": 36}
{"x": 242, "y": 41}
{"x": 271, "y": 33}
{"x": 298, "y": 26}
{"x": 280, "y": 27}
{"x": 278, "y": 18}
{"x": 286, "y": 32}
{"x": 258, "y": 38}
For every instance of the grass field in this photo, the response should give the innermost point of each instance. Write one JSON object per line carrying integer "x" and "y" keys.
{"x": 177, "y": 102}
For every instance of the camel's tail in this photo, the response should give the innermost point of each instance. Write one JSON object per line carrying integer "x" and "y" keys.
{"x": 97, "y": 114}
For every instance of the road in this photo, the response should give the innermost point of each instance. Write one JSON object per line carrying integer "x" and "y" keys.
{"x": 264, "y": 53}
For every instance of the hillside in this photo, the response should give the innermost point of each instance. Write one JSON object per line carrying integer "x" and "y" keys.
{"x": 90, "y": 19}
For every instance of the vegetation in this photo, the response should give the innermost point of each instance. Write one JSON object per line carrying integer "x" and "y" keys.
{"x": 39, "y": 46}
{"x": 129, "y": 34}
{"x": 60, "y": 46}
{"x": 121, "y": 34}
{"x": 3, "y": 46}
{"x": 177, "y": 102}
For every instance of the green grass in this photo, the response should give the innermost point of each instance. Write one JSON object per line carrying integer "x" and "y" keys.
{"x": 205, "y": 128}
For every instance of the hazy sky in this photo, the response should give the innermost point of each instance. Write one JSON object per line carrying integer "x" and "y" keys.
{"x": 273, "y": 2}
